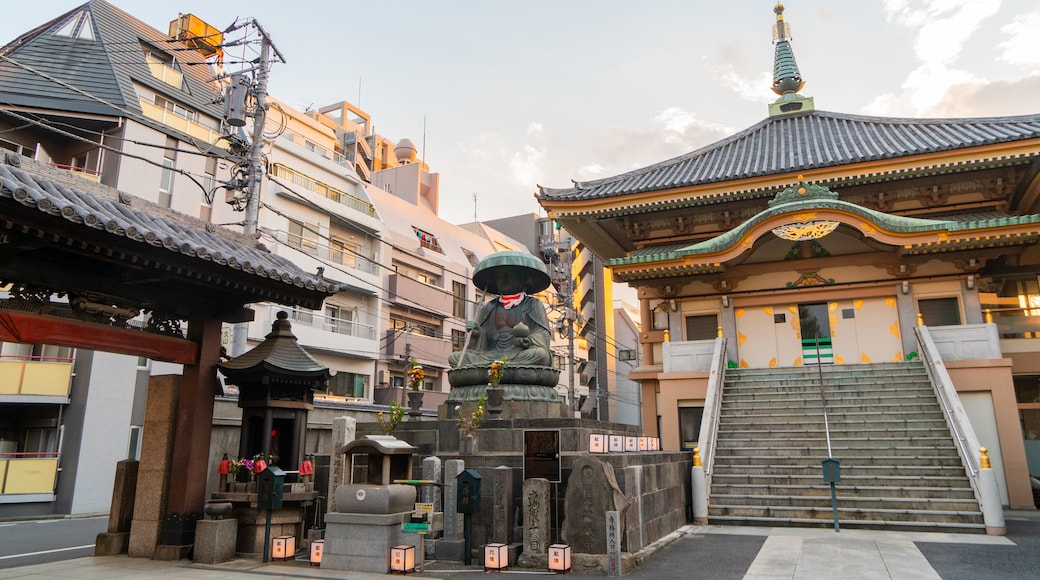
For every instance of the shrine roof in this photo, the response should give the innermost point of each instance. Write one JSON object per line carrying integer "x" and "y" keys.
{"x": 798, "y": 143}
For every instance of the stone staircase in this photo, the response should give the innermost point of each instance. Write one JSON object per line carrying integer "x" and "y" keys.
{"x": 899, "y": 466}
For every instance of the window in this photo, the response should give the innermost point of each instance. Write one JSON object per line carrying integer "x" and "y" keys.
{"x": 458, "y": 303}
{"x": 344, "y": 384}
{"x": 626, "y": 354}
{"x": 134, "y": 450}
{"x": 690, "y": 426}
{"x": 343, "y": 252}
{"x": 458, "y": 339}
{"x": 166, "y": 181}
{"x": 705, "y": 327}
{"x": 176, "y": 108}
{"x": 161, "y": 67}
{"x": 303, "y": 236}
{"x": 340, "y": 320}
{"x": 427, "y": 240}
{"x": 940, "y": 311}
{"x": 79, "y": 27}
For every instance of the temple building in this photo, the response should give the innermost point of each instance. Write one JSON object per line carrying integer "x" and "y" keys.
{"x": 826, "y": 241}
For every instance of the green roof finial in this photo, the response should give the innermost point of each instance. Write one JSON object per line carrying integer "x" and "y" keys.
{"x": 787, "y": 80}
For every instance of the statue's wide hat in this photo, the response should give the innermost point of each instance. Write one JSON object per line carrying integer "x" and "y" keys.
{"x": 534, "y": 276}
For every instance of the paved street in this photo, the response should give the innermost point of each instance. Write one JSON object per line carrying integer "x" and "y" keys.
{"x": 715, "y": 552}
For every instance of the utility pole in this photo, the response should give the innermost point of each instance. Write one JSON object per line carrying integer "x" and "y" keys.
{"x": 566, "y": 298}
{"x": 254, "y": 161}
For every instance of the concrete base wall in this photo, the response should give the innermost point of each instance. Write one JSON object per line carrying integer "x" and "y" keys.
{"x": 362, "y": 542}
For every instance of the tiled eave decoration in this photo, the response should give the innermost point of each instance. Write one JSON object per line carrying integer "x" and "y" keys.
{"x": 912, "y": 235}
{"x": 685, "y": 198}
{"x": 134, "y": 231}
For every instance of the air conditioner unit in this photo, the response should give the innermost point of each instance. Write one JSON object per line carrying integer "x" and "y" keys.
{"x": 382, "y": 377}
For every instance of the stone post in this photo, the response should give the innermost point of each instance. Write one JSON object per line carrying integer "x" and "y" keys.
{"x": 536, "y": 518}
{"x": 432, "y": 471}
{"x": 453, "y": 544}
{"x": 502, "y": 505}
{"x": 344, "y": 430}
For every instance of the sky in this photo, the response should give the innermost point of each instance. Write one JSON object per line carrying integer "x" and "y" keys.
{"x": 501, "y": 97}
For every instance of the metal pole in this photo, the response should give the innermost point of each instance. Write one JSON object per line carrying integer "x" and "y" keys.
{"x": 255, "y": 162}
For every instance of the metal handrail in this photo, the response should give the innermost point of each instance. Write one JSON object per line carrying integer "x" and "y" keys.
{"x": 710, "y": 429}
{"x": 940, "y": 379}
{"x": 823, "y": 399}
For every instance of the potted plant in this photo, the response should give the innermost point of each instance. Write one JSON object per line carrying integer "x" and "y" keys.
{"x": 495, "y": 393}
{"x": 389, "y": 421}
{"x": 468, "y": 424}
{"x": 416, "y": 374}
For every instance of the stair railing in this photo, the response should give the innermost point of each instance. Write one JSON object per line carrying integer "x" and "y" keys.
{"x": 823, "y": 399}
{"x": 706, "y": 440}
{"x": 956, "y": 418}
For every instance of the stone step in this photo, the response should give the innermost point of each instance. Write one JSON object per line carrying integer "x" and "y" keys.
{"x": 893, "y": 461}
{"x": 964, "y": 493}
{"x": 813, "y": 468}
{"x": 853, "y": 436}
{"x": 912, "y": 367}
{"x": 854, "y": 514}
{"x": 846, "y": 523}
{"x": 840, "y": 451}
{"x": 767, "y": 397}
{"x": 848, "y": 502}
{"x": 854, "y": 480}
{"x": 833, "y": 408}
{"x": 812, "y": 419}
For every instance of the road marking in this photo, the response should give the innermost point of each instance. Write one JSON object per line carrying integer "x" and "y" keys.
{"x": 46, "y": 552}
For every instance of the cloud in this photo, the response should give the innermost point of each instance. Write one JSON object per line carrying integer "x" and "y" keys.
{"x": 754, "y": 90}
{"x": 989, "y": 99}
{"x": 941, "y": 29}
{"x": 1022, "y": 48}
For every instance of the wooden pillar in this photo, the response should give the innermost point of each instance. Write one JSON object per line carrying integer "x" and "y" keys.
{"x": 187, "y": 489}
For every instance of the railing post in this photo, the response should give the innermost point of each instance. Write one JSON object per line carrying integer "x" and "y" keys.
{"x": 992, "y": 510}
{"x": 698, "y": 489}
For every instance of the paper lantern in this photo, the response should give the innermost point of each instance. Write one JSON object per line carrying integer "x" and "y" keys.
{"x": 559, "y": 558}
{"x": 402, "y": 559}
{"x": 283, "y": 547}
{"x": 496, "y": 556}
{"x": 317, "y": 548}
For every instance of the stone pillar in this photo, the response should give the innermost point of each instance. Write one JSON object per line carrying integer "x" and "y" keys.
{"x": 536, "y": 517}
{"x": 431, "y": 471}
{"x": 121, "y": 513}
{"x": 502, "y": 505}
{"x": 156, "y": 449}
{"x": 344, "y": 430}
{"x": 194, "y": 423}
{"x": 453, "y": 544}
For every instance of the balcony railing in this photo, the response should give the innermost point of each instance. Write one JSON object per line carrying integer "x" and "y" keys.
{"x": 337, "y": 255}
{"x": 323, "y": 189}
{"x": 28, "y": 473}
{"x": 35, "y": 376}
{"x": 331, "y": 324}
{"x": 1017, "y": 322}
{"x": 183, "y": 124}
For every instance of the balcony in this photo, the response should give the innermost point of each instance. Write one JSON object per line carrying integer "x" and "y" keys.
{"x": 182, "y": 124}
{"x": 426, "y": 349}
{"x": 325, "y": 190}
{"x": 27, "y": 477}
{"x": 414, "y": 294}
{"x": 35, "y": 380}
{"x": 315, "y": 330}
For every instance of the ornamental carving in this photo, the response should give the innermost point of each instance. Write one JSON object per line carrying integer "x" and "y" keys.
{"x": 803, "y": 231}
{"x": 808, "y": 279}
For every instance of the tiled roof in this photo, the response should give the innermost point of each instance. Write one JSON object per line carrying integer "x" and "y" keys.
{"x": 797, "y": 143}
{"x": 106, "y": 67}
{"x": 87, "y": 205}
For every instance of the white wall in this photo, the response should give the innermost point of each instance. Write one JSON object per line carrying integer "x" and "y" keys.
{"x": 106, "y": 430}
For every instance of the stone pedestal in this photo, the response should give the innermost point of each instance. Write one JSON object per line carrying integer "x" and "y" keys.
{"x": 215, "y": 541}
{"x": 362, "y": 542}
{"x": 287, "y": 520}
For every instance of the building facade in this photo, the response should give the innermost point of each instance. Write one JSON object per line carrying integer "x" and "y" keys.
{"x": 825, "y": 238}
